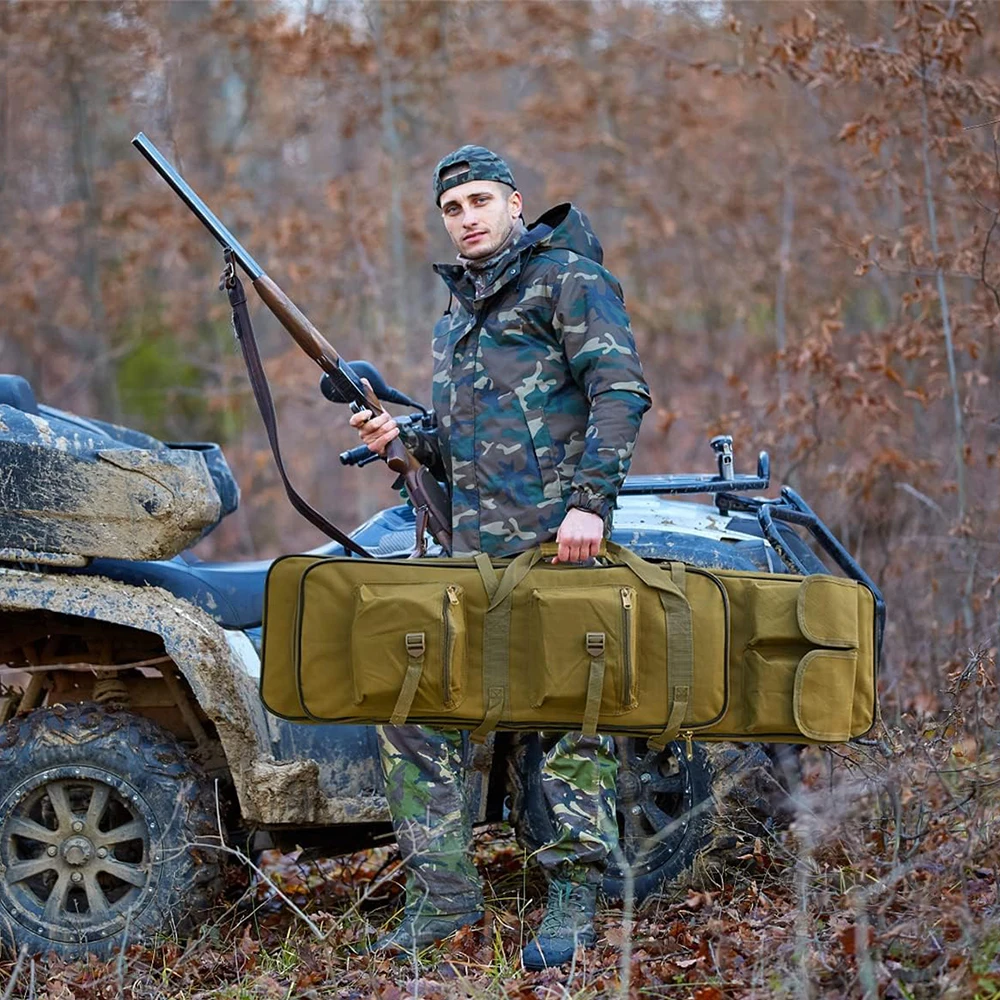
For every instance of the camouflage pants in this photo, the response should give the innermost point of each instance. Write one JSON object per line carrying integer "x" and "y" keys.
{"x": 424, "y": 781}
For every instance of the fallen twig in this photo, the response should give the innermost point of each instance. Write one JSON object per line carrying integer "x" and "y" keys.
{"x": 16, "y": 974}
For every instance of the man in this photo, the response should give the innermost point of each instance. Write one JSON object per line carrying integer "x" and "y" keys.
{"x": 538, "y": 393}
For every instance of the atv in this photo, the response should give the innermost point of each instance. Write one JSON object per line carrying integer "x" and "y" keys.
{"x": 134, "y": 744}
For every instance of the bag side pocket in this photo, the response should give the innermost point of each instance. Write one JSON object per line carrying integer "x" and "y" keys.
{"x": 789, "y": 685}
{"x": 823, "y": 701}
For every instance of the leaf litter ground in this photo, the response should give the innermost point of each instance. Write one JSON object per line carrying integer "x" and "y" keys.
{"x": 884, "y": 885}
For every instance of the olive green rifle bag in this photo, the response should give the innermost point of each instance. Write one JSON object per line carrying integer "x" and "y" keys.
{"x": 627, "y": 646}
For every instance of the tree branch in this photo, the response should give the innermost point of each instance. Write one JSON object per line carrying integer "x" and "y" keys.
{"x": 942, "y": 297}
{"x": 993, "y": 224}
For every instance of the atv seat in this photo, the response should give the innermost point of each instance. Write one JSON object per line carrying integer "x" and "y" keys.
{"x": 238, "y": 589}
{"x": 16, "y": 391}
{"x": 232, "y": 593}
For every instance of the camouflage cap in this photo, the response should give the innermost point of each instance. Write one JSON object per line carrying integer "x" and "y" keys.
{"x": 470, "y": 163}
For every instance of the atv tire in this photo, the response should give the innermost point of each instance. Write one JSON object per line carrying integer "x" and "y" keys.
{"x": 100, "y": 812}
{"x": 755, "y": 786}
{"x": 665, "y": 807}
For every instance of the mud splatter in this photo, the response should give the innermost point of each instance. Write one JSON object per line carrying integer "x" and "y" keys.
{"x": 269, "y": 790}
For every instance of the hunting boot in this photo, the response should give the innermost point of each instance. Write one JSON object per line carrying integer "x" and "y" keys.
{"x": 568, "y": 922}
{"x": 418, "y": 930}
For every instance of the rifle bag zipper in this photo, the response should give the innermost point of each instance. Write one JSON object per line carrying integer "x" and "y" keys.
{"x": 450, "y": 600}
{"x": 628, "y": 675}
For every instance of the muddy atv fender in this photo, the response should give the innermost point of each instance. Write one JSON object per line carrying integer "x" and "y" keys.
{"x": 214, "y": 664}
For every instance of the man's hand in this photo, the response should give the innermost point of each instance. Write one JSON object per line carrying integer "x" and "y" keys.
{"x": 376, "y": 432}
{"x": 579, "y": 536}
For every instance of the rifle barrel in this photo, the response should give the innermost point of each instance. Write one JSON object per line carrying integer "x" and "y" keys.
{"x": 208, "y": 218}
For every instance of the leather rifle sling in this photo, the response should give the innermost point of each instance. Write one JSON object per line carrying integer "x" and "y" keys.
{"x": 243, "y": 329}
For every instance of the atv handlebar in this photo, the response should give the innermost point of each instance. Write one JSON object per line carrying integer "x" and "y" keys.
{"x": 360, "y": 456}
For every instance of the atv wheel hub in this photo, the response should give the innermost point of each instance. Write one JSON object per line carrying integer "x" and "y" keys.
{"x": 77, "y": 851}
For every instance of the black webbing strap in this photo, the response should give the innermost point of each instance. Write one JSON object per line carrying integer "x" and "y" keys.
{"x": 243, "y": 329}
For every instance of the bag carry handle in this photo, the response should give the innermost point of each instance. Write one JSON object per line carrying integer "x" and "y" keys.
{"x": 549, "y": 549}
{"x": 615, "y": 553}
{"x": 680, "y": 640}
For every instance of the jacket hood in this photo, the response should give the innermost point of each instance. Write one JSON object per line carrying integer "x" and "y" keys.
{"x": 565, "y": 227}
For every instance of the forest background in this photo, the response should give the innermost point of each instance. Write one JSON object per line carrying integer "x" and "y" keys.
{"x": 801, "y": 201}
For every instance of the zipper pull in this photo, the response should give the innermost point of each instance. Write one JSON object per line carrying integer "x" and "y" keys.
{"x": 688, "y": 746}
{"x": 626, "y": 599}
{"x": 453, "y": 594}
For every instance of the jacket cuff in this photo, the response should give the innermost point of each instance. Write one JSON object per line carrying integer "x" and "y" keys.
{"x": 593, "y": 503}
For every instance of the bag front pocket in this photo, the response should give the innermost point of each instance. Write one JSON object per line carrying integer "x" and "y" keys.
{"x": 408, "y": 637}
{"x": 768, "y": 685}
{"x": 577, "y": 629}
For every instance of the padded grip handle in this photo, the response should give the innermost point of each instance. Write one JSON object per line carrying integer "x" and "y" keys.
{"x": 618, "y": 554}
{"x": 548, "y": 549}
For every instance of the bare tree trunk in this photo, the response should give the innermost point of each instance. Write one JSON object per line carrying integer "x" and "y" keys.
{"x": 949, "y": 344}
{"x": 393, "y": 149}
{"x": 781, "y": 291}
{"x": 956, "y": 400}
{"x": 82, "y": 147}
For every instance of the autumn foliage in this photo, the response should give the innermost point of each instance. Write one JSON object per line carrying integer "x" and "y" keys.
{"x": 802, "y": 201}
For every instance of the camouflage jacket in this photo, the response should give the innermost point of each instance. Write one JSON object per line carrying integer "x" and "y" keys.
{"x": 537, "y": 388}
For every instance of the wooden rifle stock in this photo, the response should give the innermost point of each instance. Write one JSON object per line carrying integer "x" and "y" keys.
{"x": 423, "y": 489}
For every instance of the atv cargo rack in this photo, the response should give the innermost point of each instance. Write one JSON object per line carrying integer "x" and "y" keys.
{"x": 789, "y": 508}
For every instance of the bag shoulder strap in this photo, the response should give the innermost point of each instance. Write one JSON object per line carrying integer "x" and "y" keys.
{"x": 496, "y": 652}
{"x": 680, "y": 656}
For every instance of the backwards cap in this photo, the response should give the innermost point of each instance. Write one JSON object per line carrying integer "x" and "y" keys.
{"x": 470, "y": 163}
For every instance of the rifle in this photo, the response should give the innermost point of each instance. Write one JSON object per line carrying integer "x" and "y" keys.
{"x": 428, "y": 498}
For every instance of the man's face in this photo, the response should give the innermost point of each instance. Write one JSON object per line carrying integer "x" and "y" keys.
{"x": 479, "y": 216}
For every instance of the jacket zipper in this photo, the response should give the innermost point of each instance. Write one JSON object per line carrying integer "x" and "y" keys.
{"x": 628, "y": 696}
{"x": 450, "y": 601}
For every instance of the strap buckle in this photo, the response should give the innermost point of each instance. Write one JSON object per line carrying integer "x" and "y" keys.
{"x": 227, "y": 279}
{"x": 415, "y": 644}
{"x": 420, "y": 538}
{"x": 595, "y": 643}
